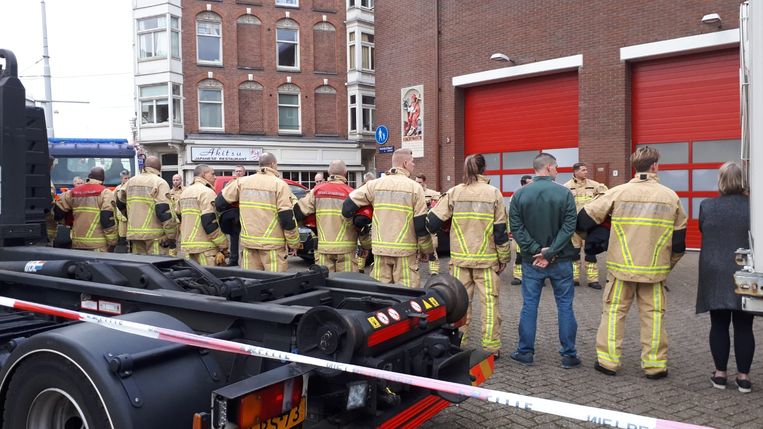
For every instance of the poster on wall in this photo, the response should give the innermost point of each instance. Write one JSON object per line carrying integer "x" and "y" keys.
{"x": 412, "y": 119}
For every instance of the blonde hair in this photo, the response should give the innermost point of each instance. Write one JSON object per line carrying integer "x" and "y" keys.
{"x": 644, "y": 158}
{"x": 731, "y": 179}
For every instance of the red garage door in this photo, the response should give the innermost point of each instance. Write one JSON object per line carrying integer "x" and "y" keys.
{"x": 511, "y": 122}
{"x": 688, "y": 108}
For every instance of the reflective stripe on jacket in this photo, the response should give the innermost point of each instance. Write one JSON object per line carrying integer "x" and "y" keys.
{"x": 142, "y": 194}
{"x": 86, "y": 202}
{"x": 396, "y": 200}
{"x": 261, "y": 197}
{"x": 336, "y": 234}
{"x": 196, "y": 201}
{"x": 474, "y": 210}
{"x": 644, "y": 215}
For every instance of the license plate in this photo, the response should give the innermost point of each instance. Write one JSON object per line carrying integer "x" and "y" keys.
{"x": 288, "y": 420}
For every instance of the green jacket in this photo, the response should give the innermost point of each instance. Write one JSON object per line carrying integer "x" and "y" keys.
{"x": 542, "y": 214}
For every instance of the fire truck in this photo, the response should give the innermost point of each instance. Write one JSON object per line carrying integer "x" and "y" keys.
{"x": 55, "y": 373}
{"x": 749, "y": 280}
{"x": 76, "y": 156}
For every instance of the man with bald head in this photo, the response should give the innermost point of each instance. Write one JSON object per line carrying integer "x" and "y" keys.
{"x": 144, "y": 199}
{"x": 399, "y": 221}
{"x": 94, "y": 227}
{"x": 268, "y": 229}
{"x": 337, "y": 236}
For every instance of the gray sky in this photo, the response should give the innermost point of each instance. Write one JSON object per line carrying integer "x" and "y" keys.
{"x": 90, "y": 48}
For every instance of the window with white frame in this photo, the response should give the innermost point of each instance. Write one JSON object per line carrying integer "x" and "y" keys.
{"x": 175, "y": 37}
{"x": 289, "y": 117}
{"x": 209, "y": 40}
{"x": 287, "y": 44}
{"x": 365, "y": 4}
{"x": 152, "y": 38}
{"x": 155, "y": 104}
{"x": 288, "y": 3}
{"x": 368, "y": 105}
{"x": 367, "y": 45}
{"x": 351, "y": 51}
{"x": 211, "y": 105}
{"x": 353, "y": 113}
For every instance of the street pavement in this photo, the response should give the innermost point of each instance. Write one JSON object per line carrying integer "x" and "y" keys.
{"x": 685, "y": 395}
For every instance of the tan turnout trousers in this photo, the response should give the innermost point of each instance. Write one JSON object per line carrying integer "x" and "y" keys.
{"x": 206, "y": 258}
{"x": 488, "y": 288}
{"x": 273, "y": 260}
{"x": 618, "y": 297}
{"x": 402, "y": 270}
{"x": 147, "y": 247}
{"x": 337, "y": 262}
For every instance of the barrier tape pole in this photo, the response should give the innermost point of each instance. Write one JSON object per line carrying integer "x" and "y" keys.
{"x": 600, "y": 416}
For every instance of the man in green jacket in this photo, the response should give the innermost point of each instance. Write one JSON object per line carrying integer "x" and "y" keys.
{"x": 542, "y": 216}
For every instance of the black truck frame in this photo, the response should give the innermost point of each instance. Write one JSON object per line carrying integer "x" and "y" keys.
{"x": 55, "y": 373}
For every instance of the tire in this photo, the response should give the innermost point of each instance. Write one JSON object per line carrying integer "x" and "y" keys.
{"x": 60, "y": 395}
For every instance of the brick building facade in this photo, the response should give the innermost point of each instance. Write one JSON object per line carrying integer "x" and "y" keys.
{"x": 572, "y": 76}
{"x": 257, "y": 76}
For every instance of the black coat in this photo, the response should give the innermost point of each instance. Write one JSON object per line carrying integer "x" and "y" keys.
{"x": 724, "y": 222}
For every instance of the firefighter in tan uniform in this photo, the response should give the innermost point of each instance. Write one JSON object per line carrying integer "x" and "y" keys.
{"x": 121, "y": 219}
{"x": 337, "y": 236}
{"x": 647, "y": 238}
{"x": 480, "y": 245}
{"x": 364, "y": 235}
{"x": 430, "y": 198}
{"x": 94, "y": 227}
{"x": 398, "y": 227}
{"x": 51, "y": 225}
{"x": 268, "y": 229}
{"x": 584, "y": 190}
{"x": 175, "y": 192}
{"x": 200, "y": 236}
{"x": 151, "y": 225}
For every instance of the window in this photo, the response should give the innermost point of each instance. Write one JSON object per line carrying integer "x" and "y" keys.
{"x": 353, "y": 113}
{"x": 209, "y": 41}
{"x": 211, "y": 105}
{"x": 154, "y": 105}
{"x": 288, "y": 109}
{"x": 367, "y": 45}
{"x": 365, "y": 4}
{"x": 175, "y": 37}
{"x": 351, "y": 50}
{"x": 152, "y": 37}
{"x": 287, "y": 3}
{"x": 287, "y": 44}
{"x": 369, "y": 111}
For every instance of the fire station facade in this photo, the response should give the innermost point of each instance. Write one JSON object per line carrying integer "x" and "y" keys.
{"x": 586, "y": 81}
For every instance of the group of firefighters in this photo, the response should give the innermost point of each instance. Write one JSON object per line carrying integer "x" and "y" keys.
{"x": 394, "y": 217}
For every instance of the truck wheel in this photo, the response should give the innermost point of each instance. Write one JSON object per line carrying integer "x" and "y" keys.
{"x": 49, "y": 392}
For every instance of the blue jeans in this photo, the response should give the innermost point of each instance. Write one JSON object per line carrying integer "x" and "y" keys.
{"x": 533, "y": 279}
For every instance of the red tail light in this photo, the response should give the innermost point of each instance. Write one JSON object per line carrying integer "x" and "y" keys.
{"x": 269, "y": 402}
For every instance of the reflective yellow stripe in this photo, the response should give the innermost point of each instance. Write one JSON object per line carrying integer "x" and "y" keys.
{"x": 86, "y": 210}
{"x": 406, "y": 272}
{"x": 654, "y": 363}
{"x": 406, "y": 226}
{"x": 89, "y": 239}
{"x": 460, "y": 237}
{"x": 623, "y": 243}
{"x": 638, "y": 269}
{"x": 273, "y": 262}
{"x": 474, "y": 257}
{"x": 606, "y": 357}
{"x": 263, "y": 239}
{"x": 335, "y": 212}
{"x": 489, "y": 315}
{"x": 393, "y": 207}
{"x": 661, "y": 243}
{"x": 254, "y": 204}
{"x": 656, "y": 320}
{"x": 646, "y": 221}
{"x": 473, "y": 216}
{"x": 271, "y": 227}
{"x": 137, "y": 199}
{"x": 612, "y": 321}
{"x": 388, "y": 245}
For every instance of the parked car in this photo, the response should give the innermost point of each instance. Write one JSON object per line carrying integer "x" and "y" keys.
{"x": 307, "y": 234}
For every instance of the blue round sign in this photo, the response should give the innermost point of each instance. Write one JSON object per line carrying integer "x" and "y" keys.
{"x": 382, "y": 134}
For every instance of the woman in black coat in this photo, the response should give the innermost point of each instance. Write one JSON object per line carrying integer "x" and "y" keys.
{"x": 725, "y": 222}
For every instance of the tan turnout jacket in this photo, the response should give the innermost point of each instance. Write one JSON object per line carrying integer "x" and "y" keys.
{"x": 336, "y": 234}
{"x": 475, "y": 209}
{"x": 142, "y": 194}
{"x": 260, "y": 197}
{"x": 584, "y": 190}
{"x": 396, "y": 200}
{"x": 86, "y": 203}
{"x": 430, "y": 196}
{"x": 196, "y": 201}
{"x": 644, "y": 215}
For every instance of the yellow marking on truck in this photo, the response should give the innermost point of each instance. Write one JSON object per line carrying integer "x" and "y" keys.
{"x": 374, "y": 323}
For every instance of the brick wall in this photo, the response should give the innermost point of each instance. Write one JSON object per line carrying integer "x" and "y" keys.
{"x": 407, "y": 47}
{"x": 251, "y": 49}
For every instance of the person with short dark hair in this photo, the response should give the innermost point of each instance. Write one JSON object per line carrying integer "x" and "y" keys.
{"x": 542, "y": 219}
{"x": 584, "y": 190}
{"x": 517, "y": 272}
{"x": 200, "y": 236}
{"x": 648, "y": 232}
{"x": 94, "y": 227}
{"x": 724, "y": 222}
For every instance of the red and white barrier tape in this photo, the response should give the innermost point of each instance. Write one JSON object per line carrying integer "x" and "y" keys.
{"x": 601, "y": 416}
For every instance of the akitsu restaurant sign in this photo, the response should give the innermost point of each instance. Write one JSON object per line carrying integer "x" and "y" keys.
{"x": 232, "y": 154}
